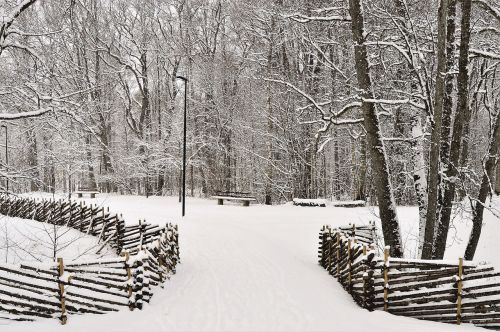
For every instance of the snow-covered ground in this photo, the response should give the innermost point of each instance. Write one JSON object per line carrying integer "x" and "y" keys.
{"x": 24, "y": 240}
{"x": 248, "y": 269}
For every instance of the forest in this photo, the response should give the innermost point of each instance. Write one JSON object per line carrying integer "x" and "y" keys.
{"x": 394, "y": 102}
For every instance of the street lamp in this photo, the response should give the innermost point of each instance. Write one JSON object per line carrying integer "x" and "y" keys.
{"x": 184, "y": 148}
{"x": 6, "y": 157}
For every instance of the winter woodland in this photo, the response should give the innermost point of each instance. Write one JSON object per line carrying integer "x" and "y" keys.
{"x": 390, "y": 102}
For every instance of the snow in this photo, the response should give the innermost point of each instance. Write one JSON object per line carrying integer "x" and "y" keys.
{"x": 243, "y": 269}
{"x": 347, "y": 203}
{"x": 311, "y": 202}
{"x": 24, "y": 240}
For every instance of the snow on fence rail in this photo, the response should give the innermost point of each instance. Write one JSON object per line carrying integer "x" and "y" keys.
{"x": 445, "y": 291}
{"x": 148, "y": 256}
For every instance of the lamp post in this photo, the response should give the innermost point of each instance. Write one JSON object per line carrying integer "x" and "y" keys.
{"x": 6, "y": 156}
{"x": 184, "y": 148}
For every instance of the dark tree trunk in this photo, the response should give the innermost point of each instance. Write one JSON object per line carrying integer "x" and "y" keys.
{"x": 387, "y": 208}
{"x": 145, "y": 122}
{"x": 448, "y": 100}
{"x": 462, "y": 106}
{"x": 444, "y": 153}
{"x": 361, "y": 181}
{"x": 89, "y": 183}
{"x": 433, "y": 176}
{"x": 484, "y": 191}
{"x": 497, "y": 180}
{"x": 33, "y": 158}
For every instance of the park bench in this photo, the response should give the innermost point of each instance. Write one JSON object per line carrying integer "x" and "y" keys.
{"x": 245, "y": 198}
{"x": 82, "y": 192}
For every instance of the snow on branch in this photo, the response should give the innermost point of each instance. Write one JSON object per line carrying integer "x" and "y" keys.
{"x": 326, "y": 59}
{"x": 406, "y": 101}
{"x": 305, "y": 19}
{"x": 326, "y": 119}
{"x": 485, "y": 54}
{"x": 488, "y": 7}
{"x": 401, "y": 50}
{"x": 22, "y": 115}
{"x": 328, "y": 9}
{"x": 329, "y": 118}
{"x": 9, "y": 19}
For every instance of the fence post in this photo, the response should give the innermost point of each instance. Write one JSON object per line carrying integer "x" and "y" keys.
{"x": 176, "y": 246}
{"x": 364, "y": 276}
{"x": 62, "y": 299}
{"x": 349, "y": 263}
{"x": 329, "y": 260}
{"x": 321, "y": 248}
{"x": 138, "y": 282}
{"x": 320, "y": 245}
{"x": 81, "y": 217}
{"x": 386, "y": 277}
{"x": 459, "y": 290}
{"x": 140, "y": 234}
{"x": 160, "y": 258}
{"x": 338, "y": 256}
{"x": 368, "y": 282}
{"x": 120, "y": 231}
{"x": 131, "y": 304}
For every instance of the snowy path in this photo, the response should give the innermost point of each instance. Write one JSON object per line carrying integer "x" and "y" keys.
{"x": 244, "y": 269}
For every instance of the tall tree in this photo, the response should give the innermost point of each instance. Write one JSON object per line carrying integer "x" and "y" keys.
{"x": 434, "y": 165}
{"x": 375, "y": 144}
{"x": 451, "y": 172}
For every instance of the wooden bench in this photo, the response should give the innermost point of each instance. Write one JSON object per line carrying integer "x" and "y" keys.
{"x": 245, "y": 198}
{"x": 91, "y": 193}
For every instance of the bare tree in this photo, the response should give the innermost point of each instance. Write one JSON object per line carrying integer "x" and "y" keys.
{"x": 387, "y": 206}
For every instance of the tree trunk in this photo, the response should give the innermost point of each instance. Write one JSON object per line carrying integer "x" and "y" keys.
{"x": 32, "y": 157}
{"x": 444, "y": 153}
{"x": 484, "y": 191}
{"x": 419, "y": 179}
{"x": 387, "y": 208}
{"x": 462, "y": 106}
{"x": 361, "y": 181}
{"x": 145, "y": 122}
{"x": 270, "y": 127}
{"x": 433, "y": 181}
{"x": 90, "y": 183}
{"x": 497, "y": 180}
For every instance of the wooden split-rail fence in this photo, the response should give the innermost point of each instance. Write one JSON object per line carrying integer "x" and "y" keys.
{"x": 148, "y": 256}
{"x": 437, "y": 290}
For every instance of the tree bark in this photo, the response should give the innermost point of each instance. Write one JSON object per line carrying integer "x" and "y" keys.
{"x": 462, "y": 106}
{"x": 32, "y": 156}
{"x": 433, "y": 176}
{"x": 484, "y": 191}
{"x": 419, "y": 178}
{"x": 387, "y": 208}
{"x": 448, "y": 82}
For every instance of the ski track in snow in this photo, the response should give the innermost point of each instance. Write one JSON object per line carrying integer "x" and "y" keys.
{"x": 242, "y": 269}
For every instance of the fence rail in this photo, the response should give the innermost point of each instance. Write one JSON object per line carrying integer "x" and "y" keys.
{"x": 445, "y": 291}
{"x": 148, "y": 256}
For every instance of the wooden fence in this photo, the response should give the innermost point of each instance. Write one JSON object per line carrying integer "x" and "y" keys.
{"x": 445, "y": 291}
{"x": 148, "y": 256}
